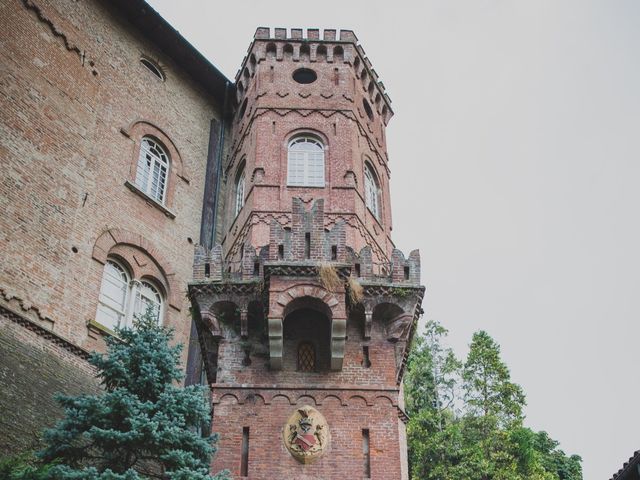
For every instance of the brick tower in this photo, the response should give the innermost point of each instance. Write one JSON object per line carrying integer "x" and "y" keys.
{"x": 304, "y": 309}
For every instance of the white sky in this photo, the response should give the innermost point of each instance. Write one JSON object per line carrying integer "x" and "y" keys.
{"x": 515, "y": 162}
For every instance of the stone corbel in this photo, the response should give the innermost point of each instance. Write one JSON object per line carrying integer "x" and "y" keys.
{"x": 244, "y": 322}
{"x": 398, "y": 327}
{"x": 210, "y": 320}
{"x": 275, "y": 343}
{"x": 368, "y": 323}
{"x": 338, "y": 337}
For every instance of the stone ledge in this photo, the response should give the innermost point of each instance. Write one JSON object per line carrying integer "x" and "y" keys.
{"x": 43, "y": 332}
{"x": 153, "y": 202}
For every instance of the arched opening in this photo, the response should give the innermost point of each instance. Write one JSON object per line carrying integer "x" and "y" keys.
{"x": 243, "y": 109}
{"x": 338, "y": 54}
{"x": 305, "y": 52}
{"x": 367, "y": 108}
{"x": 321, "y": 53}
{"x": 228, "y": 315}
{"x": 288, "y": 50}
{"x": 307, "y": 336}
{"x": 271, "y": 50}
{"x": 392, "y": 319}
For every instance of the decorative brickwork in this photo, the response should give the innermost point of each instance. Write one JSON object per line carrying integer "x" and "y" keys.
{"x": 280, "y": 324}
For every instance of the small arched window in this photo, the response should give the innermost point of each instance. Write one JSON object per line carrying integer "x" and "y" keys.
{"x": 146, "y": 298}
{"x": 112, "y": 302}
{"x": 306, "y": 357}
{"x": 153, "y": 169}
{"x": 371, "y": 190}
{"x": 122, "y": 299}
{"x": 240, "y": 180}
{"x": 305, "y": 162}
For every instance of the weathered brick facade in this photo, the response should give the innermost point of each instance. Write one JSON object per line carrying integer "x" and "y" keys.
{"x": 300, "y": 268}
{"x": 75, "y": 102}
{"x": 299, "y": 297}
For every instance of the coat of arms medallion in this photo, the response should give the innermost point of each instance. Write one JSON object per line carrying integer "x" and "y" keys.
{"x": 306, "y": 434}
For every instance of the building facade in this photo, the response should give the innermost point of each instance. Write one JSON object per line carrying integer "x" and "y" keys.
{"x": 304, "y": 308}
{"x": 108, "y": 122}
{"x": 124, "y": 151}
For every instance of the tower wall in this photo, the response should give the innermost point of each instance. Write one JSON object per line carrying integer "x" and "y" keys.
{"x": 306, "y": 272}
{"x": 272, "y": 108}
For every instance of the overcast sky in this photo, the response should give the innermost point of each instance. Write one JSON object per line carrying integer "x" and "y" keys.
{"x": 515, "y": 163}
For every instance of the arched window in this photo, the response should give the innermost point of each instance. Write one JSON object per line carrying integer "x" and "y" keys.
{"x": 121, "y": 298}
{"x": 112, "y": 303}
{"x": 153, "y": 169}
{"x": 305, "y": 163}
{"x": 306, "y": 357}
{"x": 239, "y": 192}
{"x": 145, "y": 297}
{"x": 371, "y": 191}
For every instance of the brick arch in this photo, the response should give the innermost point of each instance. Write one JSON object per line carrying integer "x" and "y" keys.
{"x": 254, "y": 398}
{"x": 307, "y": 131}
{"x": 306, "y": 398}
{"x": 275, "y": 398}
{"x": 229, "y": 399}
{"x": 114, "y": 237}
{"x": 278, "y": 309}
{"x": 299, "y": 291}
{"x": 331, "y": 396}
{"x": 357, "y": 401}
{"x": 384, "y": 400}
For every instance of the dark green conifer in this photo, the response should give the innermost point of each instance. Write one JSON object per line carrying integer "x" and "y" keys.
{"x": 143, "y": 425}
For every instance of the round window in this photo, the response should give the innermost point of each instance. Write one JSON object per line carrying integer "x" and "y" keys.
{"x": 305, "y": 75}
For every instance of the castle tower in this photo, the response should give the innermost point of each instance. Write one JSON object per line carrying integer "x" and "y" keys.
{"x": 304, "y": 309}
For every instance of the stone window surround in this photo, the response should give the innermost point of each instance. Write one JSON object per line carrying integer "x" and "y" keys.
{"x": 136, "y": 131}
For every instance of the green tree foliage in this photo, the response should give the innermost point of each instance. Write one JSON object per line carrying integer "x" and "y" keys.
{"x": 142, "y": 426}
{"x": 23, "y": 467}
{"x": 466, "y": 419}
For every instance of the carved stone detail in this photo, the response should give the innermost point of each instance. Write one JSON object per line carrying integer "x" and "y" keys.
{"x": 306, "y": 434}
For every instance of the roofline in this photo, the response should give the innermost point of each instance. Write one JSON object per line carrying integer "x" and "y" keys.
{"x": 155, "y": 28}
{"x": 634, "y": 461}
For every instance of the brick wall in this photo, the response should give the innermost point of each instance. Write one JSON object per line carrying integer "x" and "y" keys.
{"x": 347, "y": 414}
{"x": 273, "y": 108}
{"x": 32, "y": 370}
{"x": 75, "y": 102}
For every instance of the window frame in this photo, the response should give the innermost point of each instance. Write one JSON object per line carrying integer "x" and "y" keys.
{"x": 240, "y": 188}
{"x": 372, "y": 191}
{"x": 309, "y": 161}
{"x": 133, "y": 296}
{"x": 312, "y": 349}
{"x": 103, "y": 306}
{"x": 146, "y": 166}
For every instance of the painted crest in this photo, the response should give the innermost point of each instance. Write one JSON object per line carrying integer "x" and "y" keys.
{"x": 306, "y": 434}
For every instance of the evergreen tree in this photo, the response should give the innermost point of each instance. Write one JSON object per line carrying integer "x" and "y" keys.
{"x": 489, "y": 392}
{"x": 142, "y": 425}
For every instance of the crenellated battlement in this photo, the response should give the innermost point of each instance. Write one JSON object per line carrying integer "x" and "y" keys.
{"x": 329, "y": 35}
{"x": 306, "y": 243}
{"x": 300, "y": 45}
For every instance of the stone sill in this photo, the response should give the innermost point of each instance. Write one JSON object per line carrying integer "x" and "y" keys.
{"x": 151, "y": 201}
{"x": 101, "y": 329}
